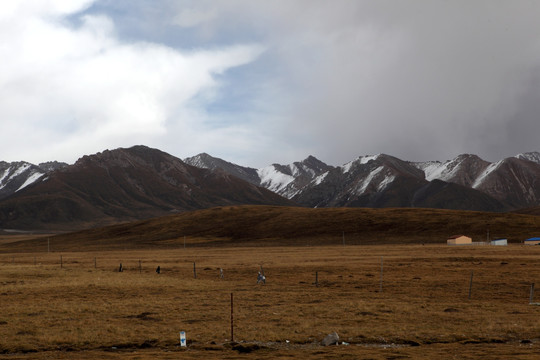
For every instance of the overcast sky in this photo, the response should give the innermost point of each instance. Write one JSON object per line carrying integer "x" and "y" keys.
{"x": 260, "y": 82}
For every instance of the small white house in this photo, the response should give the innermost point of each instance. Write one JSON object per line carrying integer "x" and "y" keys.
{"x": 502, "y": 242}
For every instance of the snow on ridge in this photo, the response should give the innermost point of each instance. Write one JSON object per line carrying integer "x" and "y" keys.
{"x": 273, "y": 179}
{"x": 31, "y": 179}
{"x": 531, "y": 156}
{"x": 361, "y": 160}
{"x": 11, "y": 172}
{"x": 442, "y": 171}
{"x": 491, "y": 167}
{"x": 295, "y": 170}
{"x": 20, "y": 170}
{"x": 197, "y": 161}
{"x": 428, "y": 167}
{"x": 367, "y": 158}
{"x": 6, "y": 173}
{"x": 386, "y": 181}
{"x": 365, "y": 183}
{"x": 347, "y": 167}
{"x": 319, "y": 179}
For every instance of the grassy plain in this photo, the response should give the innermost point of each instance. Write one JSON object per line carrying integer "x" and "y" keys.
{"x": 68, "y": 305}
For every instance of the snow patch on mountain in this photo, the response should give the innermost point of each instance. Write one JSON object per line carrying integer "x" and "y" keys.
{"x": 319, "y": 179}
{"x": 4, "y": 175}
{"x": 441, "y": 171}
{"x": 531, "y": 156}
{"x": 365, "y": 183}
{"x": 21, "y": 169}
{"x": 272, "y": 179}
{"x": 30, "y": 180}
{"x": 430, "y": 168}
{"x": 12, "y": 172}
{"x": 480, "y": 179}
{"x": 385, "y": 182}
{"x": 359, "y": 160}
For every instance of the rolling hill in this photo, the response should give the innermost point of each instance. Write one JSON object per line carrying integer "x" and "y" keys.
{"x": 278, "y": 225}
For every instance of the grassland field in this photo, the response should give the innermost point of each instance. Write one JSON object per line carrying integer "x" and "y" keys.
{"x": 68, "y": 305}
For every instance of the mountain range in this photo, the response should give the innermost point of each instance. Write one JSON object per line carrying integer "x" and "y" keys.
{"x": 465, "y": 183}
{"x": 122, "y": 185}
{"x": 139, "y": 182}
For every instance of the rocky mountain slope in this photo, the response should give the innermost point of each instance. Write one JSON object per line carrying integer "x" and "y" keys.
{"x": 285, "y": 180}
{"x": 466, "y": 182}
{"x": 139, "y": 182}
{"x": 15, "y": 176}
{"x": 122, "y": 185}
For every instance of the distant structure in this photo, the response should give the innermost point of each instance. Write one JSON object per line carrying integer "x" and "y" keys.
{"x": 221, "y": 276}
{"x": 261, "y": 279}
{"x": 158, "y": 270}
{"x": 459, "y": 240}
{"x": 120, "y": 268}
{"x": 532, "y": 241}
{"x": 500, "y": 242}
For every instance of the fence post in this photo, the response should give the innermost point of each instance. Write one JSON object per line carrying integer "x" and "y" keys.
{"x": 531, "y": 297}
{"x": 232, "y": 319}
{"x": 316, "y": 278}
{"x": 194, "y": 271}
{"x": 380, "y": 286}
{"x": 470, "y": 284}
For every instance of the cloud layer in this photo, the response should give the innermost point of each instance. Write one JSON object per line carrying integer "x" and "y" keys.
{"x": 257, "y": 82}
{"x": 70, "y": 90}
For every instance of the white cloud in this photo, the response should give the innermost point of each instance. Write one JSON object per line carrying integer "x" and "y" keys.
{"x": 68, "y": 91}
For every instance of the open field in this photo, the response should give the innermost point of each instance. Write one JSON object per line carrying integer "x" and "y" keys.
{"x": 77, "y": 305}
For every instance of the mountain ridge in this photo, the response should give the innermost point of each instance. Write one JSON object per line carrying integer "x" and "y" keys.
{"x": 135, "y": 183}
{"x": 368, "y": 181}
{"x": 125, "y": 185}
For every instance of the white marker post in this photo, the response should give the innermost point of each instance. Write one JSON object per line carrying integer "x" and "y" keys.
{"x": 183, "y": 338}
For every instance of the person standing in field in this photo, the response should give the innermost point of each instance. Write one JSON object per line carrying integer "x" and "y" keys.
{"x": 261, "y": 278}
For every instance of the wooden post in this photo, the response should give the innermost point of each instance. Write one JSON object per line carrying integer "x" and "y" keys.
{"x": 34, "y": 261}
{"x": 531, "y": 297}
{"x": 232, "y": 319}
{"x": 140, "y": 266}
{"x": 61, "y": 262}
{"x": 194, "y": 271}
{"x": 184, "y": 241}
{"x": 48, "y": 245}
{"x": 316, "y": 278}
{"x": 344, "y": 238}
{"x": 95, "y": 263}
{"x": 380, "y": 287}
{"x": 470, "y": 285}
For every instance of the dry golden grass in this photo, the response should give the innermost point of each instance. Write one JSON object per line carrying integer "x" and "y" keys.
{"x": 274, "y": 225}
{"x": 87, "y": 312}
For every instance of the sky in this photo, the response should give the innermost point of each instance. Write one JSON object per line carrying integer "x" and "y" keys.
{"x": 259, "y": 82}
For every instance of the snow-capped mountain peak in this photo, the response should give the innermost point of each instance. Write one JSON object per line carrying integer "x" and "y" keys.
{"x": 531, "y": 156}
{"x": 16, "y": 176}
